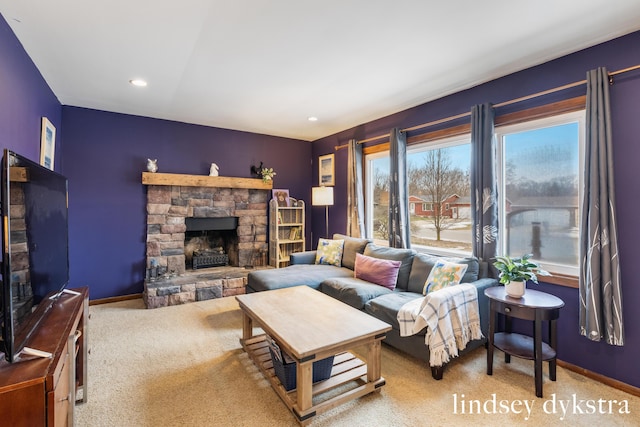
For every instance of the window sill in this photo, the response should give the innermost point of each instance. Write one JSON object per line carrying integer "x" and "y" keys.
{"x": 560, "y": 280}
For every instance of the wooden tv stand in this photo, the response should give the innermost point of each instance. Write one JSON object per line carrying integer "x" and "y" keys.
{"x": 36, "y": 391}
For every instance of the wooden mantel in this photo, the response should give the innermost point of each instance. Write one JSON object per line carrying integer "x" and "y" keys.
{"x": 149, "y": 178}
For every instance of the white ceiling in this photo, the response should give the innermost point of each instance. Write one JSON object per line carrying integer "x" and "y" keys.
{"x": 265, "y": 66}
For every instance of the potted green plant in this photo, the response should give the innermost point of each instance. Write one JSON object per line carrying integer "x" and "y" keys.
{"x": 515, "y": 272}
{"x": 267, "y": 174}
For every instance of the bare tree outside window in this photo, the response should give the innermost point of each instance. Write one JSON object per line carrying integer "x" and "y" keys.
{"x": 439, "y": 200}
{"x": 434, "y": 179}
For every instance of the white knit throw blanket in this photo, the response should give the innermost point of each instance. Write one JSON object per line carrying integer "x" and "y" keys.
{"x": 451, "y": 317}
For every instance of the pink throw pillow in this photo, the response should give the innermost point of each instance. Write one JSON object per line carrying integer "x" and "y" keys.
{"x": 383, "y": 272}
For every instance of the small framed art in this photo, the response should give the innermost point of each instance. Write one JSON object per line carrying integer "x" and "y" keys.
{"x": 47, "y": 144}
{"x": 326, "y": 170}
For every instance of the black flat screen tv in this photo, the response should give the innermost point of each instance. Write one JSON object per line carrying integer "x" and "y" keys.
{"x": 35, "y": 255}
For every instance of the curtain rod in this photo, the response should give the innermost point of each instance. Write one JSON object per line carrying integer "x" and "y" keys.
{"x": 502, "y": 104}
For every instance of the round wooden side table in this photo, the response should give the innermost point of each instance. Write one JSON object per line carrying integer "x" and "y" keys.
{"x": 535, "y": 306}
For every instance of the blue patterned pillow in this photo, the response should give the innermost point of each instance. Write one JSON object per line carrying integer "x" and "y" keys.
{"x": 444, "y": 274}
{"x": 329, "y": 252}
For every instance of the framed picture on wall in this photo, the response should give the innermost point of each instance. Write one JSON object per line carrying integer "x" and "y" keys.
{"x": 47, "y": 144}
{"x": 281, "y": 195}
{"x": 326, "y": 170}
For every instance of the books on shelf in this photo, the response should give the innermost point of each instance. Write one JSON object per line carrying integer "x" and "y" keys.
{"x": 286, "y": 232}
{"x": 295, "y": 233}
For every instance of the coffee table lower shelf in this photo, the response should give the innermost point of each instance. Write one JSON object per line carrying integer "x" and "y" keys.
{"x": 349, "y": 372}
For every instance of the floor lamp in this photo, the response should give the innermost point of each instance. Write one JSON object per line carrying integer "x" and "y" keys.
{"x": 323, "y": 196}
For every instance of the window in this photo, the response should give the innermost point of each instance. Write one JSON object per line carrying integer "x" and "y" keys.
{"x": 539, "y": 164}
{"x": 377, "y": 196}
{"x": 436, "y": 173}
{"x": 540, "y": 168}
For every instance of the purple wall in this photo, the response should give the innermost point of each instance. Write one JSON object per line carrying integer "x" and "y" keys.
{"x": 616, "y": 362}
{"x": 105, "y": 155}
{"x": 24, "y": 99}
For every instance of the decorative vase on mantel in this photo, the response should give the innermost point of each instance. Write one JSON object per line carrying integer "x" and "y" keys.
{"x": 515, "y": 289}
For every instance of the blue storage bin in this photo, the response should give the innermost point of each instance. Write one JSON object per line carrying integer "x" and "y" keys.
{"x": 287, "y": 373}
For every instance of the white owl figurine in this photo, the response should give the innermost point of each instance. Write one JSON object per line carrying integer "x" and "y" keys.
{"x": 213, "y": 171}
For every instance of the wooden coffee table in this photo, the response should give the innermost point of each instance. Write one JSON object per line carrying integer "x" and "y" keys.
{"x": 311, "y": 326}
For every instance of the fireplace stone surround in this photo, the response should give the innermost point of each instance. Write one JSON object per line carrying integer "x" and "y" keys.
{"x": 171, "y": 199}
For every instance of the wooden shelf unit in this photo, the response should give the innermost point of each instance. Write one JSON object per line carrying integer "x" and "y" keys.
{"x": 286, "y": 232}
{"x": 38, "y": 391}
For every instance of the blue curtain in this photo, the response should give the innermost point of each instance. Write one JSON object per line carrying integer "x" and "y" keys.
{"x": 355, "y": 192}
{"x": 399, "y": 233}
{"x": 484, "y": 187}
{"x": 599, "y": 284}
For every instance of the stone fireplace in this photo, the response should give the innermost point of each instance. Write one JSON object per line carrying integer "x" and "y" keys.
{"x": 217, "y": 217}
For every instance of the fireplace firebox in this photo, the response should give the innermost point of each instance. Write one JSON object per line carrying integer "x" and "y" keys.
{"x": 211, "y": 242}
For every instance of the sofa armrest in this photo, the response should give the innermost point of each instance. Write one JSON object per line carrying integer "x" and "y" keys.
{"x": 483, "y": 302}
{"x": 306, "y": 257}
{"x": 485, "y": 283}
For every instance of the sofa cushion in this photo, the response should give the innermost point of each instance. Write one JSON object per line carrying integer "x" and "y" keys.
{"x": 442, "y": 275}
{"x": 305, "y": 257}
{"x": 352, "y": 246}
{"x": 352, "y": 291}
{"x": 383, "y": 272}
{"x": 423, "y": 263}
{"x": 294, "y": 275}
{"x": 395, "y": 254}
{"x": 386, "y": 307}
{"x": 329, "y": 252}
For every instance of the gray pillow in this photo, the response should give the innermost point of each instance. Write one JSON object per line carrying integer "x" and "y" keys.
{"x": 352, "y": 245}
{"x": 395, "y": 254}
{"x": 423, "y": 263}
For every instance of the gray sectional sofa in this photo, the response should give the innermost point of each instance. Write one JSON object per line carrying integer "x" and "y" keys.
{"x": 378, "y": 301}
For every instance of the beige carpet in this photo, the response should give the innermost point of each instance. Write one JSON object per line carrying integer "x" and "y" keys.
{"x": 183, "y": 366}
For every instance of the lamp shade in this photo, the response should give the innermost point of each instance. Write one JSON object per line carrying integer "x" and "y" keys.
{"x": 322, "y": 196}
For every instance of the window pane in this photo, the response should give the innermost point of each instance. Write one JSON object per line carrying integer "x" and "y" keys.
{"x": 378, "y": 198}
{"x": 541, "y": 188}
{"x": 439, "y": 185}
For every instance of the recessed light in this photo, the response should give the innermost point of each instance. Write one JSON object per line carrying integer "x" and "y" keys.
{"x": 138, "y": 82}
{"x": 312, "y": 119}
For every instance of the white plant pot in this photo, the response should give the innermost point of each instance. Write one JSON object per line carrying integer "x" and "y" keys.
{"x": 515, "y": 289}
